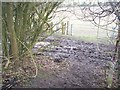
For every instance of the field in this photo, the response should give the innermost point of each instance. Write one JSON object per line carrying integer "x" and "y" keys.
{"x": 79, "y": 55}
{"x": 72, "y": 64}
{"x": 83, "y": 29}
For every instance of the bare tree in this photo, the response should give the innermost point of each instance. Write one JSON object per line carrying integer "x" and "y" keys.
{"x": 22, "y": 25}
{"x": 101, "y": 12}
{"x": 102, "y": 15}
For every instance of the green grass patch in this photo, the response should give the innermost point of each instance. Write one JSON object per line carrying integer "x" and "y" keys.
{"x": 93, "y": 39}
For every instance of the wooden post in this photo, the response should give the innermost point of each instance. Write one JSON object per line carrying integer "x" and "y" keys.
{"x": 63, "y": 28}
{"x": 67, "y": 27}
{"x": 57, "y": 27}
{"x": 71, "y": 28}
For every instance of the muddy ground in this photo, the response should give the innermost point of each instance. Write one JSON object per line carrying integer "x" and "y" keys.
{"x": 70, "y": 63}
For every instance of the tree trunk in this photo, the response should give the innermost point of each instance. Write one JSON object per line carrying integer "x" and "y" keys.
{"x": 11, "y": 31}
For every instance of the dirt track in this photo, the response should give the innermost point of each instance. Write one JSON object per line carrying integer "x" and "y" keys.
{"x": 72, "y": 64}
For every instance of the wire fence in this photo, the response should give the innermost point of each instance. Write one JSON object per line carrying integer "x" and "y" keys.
{"x": 86, "y": 29}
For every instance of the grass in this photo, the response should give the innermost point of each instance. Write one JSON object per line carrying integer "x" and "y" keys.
{"x": 92, "y": 39}
{"x": 95, "y": 40}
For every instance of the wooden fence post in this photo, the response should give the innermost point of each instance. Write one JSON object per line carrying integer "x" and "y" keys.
{"x": 71, "y": 28}
{"x": 67, "y": 27}
{"x": 63, "y": 28}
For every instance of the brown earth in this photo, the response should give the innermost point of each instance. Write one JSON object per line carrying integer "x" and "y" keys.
{"x": 69, "y": 63}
